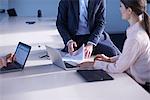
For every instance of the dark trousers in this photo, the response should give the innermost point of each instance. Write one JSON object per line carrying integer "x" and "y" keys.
{"x": 105, "y": 45}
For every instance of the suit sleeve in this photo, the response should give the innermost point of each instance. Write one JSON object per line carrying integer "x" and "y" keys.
{"x": 61, "y": 21}
{"x": 99, "y": 23}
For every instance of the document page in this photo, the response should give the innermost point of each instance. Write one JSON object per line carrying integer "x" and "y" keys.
{"x": 77, "y": 55}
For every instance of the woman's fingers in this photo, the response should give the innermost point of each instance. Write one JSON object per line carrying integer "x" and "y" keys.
{"x": 99, "y": 59}
{"x": 99, "y": 56}
{"x": 86, "y": 64}
{"x": 102, "y": 57}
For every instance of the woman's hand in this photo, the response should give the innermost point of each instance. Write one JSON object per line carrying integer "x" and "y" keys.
{"x": 102, "y": 57}
{"x": 86, "y": 65}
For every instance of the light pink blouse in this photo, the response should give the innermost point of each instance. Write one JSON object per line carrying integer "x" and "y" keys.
{"x": 135, "y": 57}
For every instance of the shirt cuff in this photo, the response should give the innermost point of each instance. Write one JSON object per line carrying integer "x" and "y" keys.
{"x": 69, "y": 42}
{"x": 89, "y": 42}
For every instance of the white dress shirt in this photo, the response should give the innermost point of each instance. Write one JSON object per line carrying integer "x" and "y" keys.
{"x": 83, "y": 28}
{"x": 135, "y": 58}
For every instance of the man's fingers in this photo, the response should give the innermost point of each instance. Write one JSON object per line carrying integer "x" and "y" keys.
{"x": 74, "y": 44}
{"x": 87, "y": 53}
{"x": 71, "y": 48}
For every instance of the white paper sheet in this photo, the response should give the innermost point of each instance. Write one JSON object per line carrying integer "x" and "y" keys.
{"x": 77, "y": 56}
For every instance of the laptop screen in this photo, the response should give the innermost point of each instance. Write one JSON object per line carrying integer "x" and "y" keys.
{"x": 22, "y": 53}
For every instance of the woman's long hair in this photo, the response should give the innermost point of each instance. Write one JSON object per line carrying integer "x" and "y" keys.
{"x": 139, "y": 7}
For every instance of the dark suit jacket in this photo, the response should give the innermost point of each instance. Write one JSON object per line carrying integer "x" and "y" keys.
{"x": 68, "y": 19}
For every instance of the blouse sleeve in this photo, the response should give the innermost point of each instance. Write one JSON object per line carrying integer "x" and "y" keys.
{"x": 131, "y": 52}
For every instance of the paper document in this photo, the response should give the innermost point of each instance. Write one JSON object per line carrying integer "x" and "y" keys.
{"x": 77, "y": 55}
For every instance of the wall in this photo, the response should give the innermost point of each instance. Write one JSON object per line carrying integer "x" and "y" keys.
{"x": 3, "y": 4}
{"x": 114, "y": 23}
{"x": 148, "y": 8}
{"x": 30, "y": 7}
{"x": 49, "y": 8}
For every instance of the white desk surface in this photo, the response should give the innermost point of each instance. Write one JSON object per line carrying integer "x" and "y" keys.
{"x": 18, "y": 24}
{"x": 49, "y": 82}
{"x": 15, "y": 29}
{"x": 66, "y": 85}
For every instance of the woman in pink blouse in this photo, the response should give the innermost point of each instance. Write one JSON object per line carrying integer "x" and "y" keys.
{"x": 135, "y": 57}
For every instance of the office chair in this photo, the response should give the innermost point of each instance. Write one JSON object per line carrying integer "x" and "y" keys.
{"x": 12, "y": 12}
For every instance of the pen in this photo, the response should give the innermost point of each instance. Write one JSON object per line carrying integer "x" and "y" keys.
{"x": 44, "y": 56}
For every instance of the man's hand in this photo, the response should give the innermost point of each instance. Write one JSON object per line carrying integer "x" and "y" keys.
{"x": 71, "y": 46}
{"x": 88, "y": 50}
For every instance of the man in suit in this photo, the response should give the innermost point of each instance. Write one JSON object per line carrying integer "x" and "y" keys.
{"x": 83, "y": 22}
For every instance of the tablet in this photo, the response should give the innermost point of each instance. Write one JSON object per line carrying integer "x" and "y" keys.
{"x": 94, "y": 75}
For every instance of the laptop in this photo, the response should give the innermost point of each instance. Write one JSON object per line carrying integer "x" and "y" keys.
{"x": 20, "y": 57}
{"x": 94, "y": 75}
{"x": 57, "y": 60}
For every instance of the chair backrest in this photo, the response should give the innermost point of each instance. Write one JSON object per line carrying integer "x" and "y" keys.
{"x": 11, "y": 12}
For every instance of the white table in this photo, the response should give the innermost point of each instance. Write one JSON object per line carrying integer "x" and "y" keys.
{"x": 31, "y": 84}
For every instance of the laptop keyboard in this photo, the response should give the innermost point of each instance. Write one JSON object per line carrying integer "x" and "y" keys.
{"x": 10, "y": 66}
